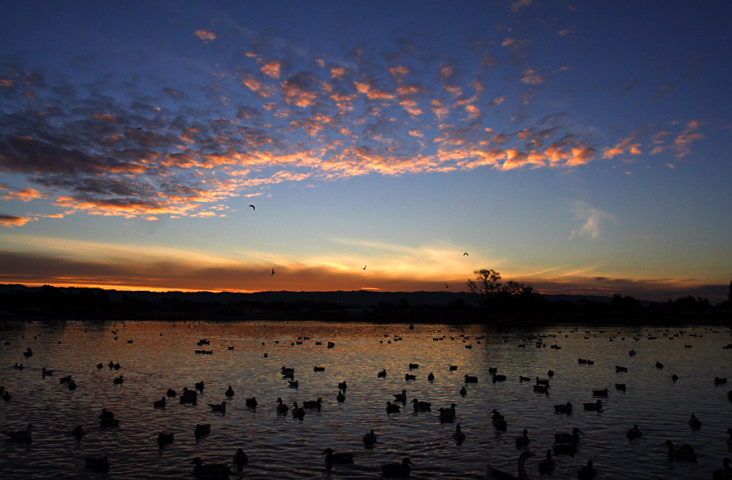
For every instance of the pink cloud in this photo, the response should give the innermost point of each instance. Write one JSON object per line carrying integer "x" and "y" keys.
{"x": 205, "y": 35}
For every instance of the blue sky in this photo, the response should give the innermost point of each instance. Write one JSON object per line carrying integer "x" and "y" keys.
{"x": 581, "y": 148}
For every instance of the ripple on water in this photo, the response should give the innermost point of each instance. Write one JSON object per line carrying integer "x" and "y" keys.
{"x": 286, "y": 448}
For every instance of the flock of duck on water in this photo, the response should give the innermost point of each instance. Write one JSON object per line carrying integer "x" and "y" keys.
{"x": 564, "y": 443}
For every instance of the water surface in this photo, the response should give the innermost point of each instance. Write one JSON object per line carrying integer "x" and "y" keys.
{"x": 155, "y": 356}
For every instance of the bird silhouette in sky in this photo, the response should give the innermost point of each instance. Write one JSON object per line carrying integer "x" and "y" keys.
{"x": 253, "y": 207}
{"x": 465, "y": 254}
{"x": 364, "y": 267}
{"x": 272, "y": 272}
{"x": 447, "y": 286}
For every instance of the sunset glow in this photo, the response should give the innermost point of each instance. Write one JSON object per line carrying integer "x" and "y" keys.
{"x": 579, "y": 148}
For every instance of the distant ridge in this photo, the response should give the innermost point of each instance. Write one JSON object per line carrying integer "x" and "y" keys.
{"x": 354, "y": 298}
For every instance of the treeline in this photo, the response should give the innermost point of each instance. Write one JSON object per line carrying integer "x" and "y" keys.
{"x": 530, "y": 308}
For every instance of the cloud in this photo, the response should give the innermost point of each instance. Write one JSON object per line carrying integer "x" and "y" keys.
{"x": 591, "y": 220}
{"x": 13, "y": 221}
{"x": 629, "y": 145}
{"x": 205, "y": 35}
{"x": 178, "y": 148}
{"x": 683, "y": 142}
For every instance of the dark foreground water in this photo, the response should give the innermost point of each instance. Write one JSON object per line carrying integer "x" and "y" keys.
{"x": 156, "y": 356}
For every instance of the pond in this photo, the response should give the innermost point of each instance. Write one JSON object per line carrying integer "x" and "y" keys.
{"x": 249, "y": 356}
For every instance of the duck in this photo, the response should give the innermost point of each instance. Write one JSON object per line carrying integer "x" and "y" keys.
{"x": 621, "y": 387}
{"x": 499, "y": 423}
{"x": 547, "y": 466}
{"x": 119, "y": 380}
{"x": 293, "y": 383}
{"x": 171, "y": 393}
{"x": 463, "y": 391}
{"x": 200, "y": 386}
{"x": 431, "y": 377}
{"x": 210, "y": 471}
{"x": 448, "y": 414}
{"x": 719, "y": 381}
{"x": 397, "y": 469}
{"x": 337, "y": 458}
{"x": 218, "y": 407}
{"x": 240, "y": 459}
{"x": 369, "y": 439}
{"x": 381, "y": 374}
{"x": 572, "y": 438}
{"x": 685, "y": 453}
{"x": 633, "y": 433}
{"x": 47, "y": 373}
{"x": 587, "y": 472}
{"x": 523, "y": 439}
{"x": 542, "y": 389}
{"x": 24, "y": 436}
{"x": 78, "y": 432}
{"x": 594, "y": 406}
{"x": 97, "y": 464}
{"x": 459, "y": 435}
{"x": 522, "y": 475}
{"x": 421, "y": 406}
{"x": 342, "y": 386}
{"x": 201, "y": 430}
{"x": 341, "y": 397}
{"x": 565, "y": 408}
{"x": 298, "y": 412}
{"x": 251, "y": 402}
{"x": 410, "y": 377}
{"x": 313, "y": 404}
{"x": 724, "y": 473}
{"x": 694, "y": 422}
{"x": 229, "y": 392}
{"x": 282, "y": 408}
{"x": 600, "y": 392}
{"x": 470, "y": 379}
{"x": 159, "y": 403}
{"x": 392, "y": 408}
{"x": 165, "y": 438}
{"x": 401, "y": 397}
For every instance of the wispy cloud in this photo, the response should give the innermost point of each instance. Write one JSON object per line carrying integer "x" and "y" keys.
{"x": 591, "y": 220}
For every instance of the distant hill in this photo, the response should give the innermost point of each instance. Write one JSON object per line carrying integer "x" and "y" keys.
{"x": 355, "y": 299}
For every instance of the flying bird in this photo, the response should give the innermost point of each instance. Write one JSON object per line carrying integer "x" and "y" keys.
{"x": 364, "y": 267}
{"x": 253, "y": 207}
{"x": 465, "y": 254}
{"x": 272, "y": 272}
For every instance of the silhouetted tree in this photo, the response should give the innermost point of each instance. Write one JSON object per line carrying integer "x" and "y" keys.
{"x": 487, "y": 282}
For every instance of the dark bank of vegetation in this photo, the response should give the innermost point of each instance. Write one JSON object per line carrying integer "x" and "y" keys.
{"x": 489, "y": 302}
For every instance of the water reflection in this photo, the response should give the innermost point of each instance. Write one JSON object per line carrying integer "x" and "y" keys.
{"x": 156, "y": 356}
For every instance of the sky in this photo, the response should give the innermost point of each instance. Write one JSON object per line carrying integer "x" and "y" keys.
{"x": 579, "y": 147}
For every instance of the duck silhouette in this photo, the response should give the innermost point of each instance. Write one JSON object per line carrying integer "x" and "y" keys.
{"x": 522, "y": 475}
{"x": 547, "y": 466}
{"x": 587, "y": 472}
{"x": 210, "y": 471}
{"x": 240, "y": 459}
{"x": 337, "y": 458}
{"x": 397, "y": 469}
{"x": 24, "y": 436}
{"x": 369, "y": 439}
{"x": 685, "y": 453}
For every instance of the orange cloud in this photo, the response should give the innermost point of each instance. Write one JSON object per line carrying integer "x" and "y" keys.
{"x": 624, "y": 146}
{"x": 205, "y": 35}
{"x": 399, "y": 72}
{"x": 13, "y": 221}
{"x": 683, "y": 142}
{"x": 272, "y": 69}
{"x": 23, "y": 195}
